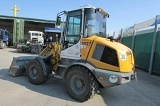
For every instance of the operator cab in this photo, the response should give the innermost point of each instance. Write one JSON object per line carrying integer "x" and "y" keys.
{"x": 34, "y": 37}
{"x": 52, "y": 34}
{"x": 84, "y": 22}
{"x": 81, "y": 23}
{"x": 4, "y": 34}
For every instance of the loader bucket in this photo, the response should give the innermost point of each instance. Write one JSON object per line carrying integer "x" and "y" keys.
{"x": 18, "y": 65}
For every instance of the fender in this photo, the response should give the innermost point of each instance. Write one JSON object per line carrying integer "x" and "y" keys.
{"x": 80, "y": 63}
{"x": 46, "y": 67}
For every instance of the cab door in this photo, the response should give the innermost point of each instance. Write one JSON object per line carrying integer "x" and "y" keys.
{"x": 72, "y": 35}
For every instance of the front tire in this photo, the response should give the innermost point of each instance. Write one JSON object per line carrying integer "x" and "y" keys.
{"x": 35, "y": 73}
{"x": 80, "y": 83}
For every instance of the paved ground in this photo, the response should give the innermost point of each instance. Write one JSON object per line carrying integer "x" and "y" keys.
{"x": 17, "y": 91}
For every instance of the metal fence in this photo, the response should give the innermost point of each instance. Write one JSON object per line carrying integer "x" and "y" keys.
{"x": 144, "y": 40}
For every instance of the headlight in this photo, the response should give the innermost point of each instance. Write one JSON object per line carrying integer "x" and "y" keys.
{"x": 123, "y": 55}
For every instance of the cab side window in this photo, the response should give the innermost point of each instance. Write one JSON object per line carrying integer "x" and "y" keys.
{"x": 74, "y": 27}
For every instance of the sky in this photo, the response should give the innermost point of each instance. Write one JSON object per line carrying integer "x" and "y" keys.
{"x": 123, "y": 13}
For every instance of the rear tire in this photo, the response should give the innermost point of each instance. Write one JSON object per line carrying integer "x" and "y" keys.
{"x": 80, "y": 83}
{"x": 35, "y": 73}
{"x": 3, "y": 45}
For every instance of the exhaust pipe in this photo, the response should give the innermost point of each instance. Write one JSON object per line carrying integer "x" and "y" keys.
{"x": 18, "y": 65}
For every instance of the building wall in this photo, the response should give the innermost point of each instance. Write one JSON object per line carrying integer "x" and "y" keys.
{"x": 19, "y": 26}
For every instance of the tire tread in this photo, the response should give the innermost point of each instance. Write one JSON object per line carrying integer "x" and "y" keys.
{"x": 93, "y": 85}
{"x": 41, "y": 77}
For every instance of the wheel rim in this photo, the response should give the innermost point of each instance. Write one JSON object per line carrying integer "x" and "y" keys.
{"x": 33, "y": 72}
{"x": 77, "y": 84}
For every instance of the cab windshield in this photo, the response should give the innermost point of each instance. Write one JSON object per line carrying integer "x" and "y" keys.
{"x": 34, "y": 34}
{"x": 78, "y": 25}
{"x": 95, "y": 24}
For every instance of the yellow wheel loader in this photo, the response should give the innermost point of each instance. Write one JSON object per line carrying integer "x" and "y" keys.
{"x": 82, "y": 56}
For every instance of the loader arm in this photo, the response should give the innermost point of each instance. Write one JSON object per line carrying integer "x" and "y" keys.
{"x": 52, "y": 49}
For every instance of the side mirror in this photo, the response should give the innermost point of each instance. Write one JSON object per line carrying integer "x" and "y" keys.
{"x": 44, "y": 36}
{"x": 58, "y": 21}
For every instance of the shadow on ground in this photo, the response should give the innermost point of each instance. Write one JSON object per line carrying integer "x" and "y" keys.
{"x": 15, "y": 51}
{"x": 53, "y": 87}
